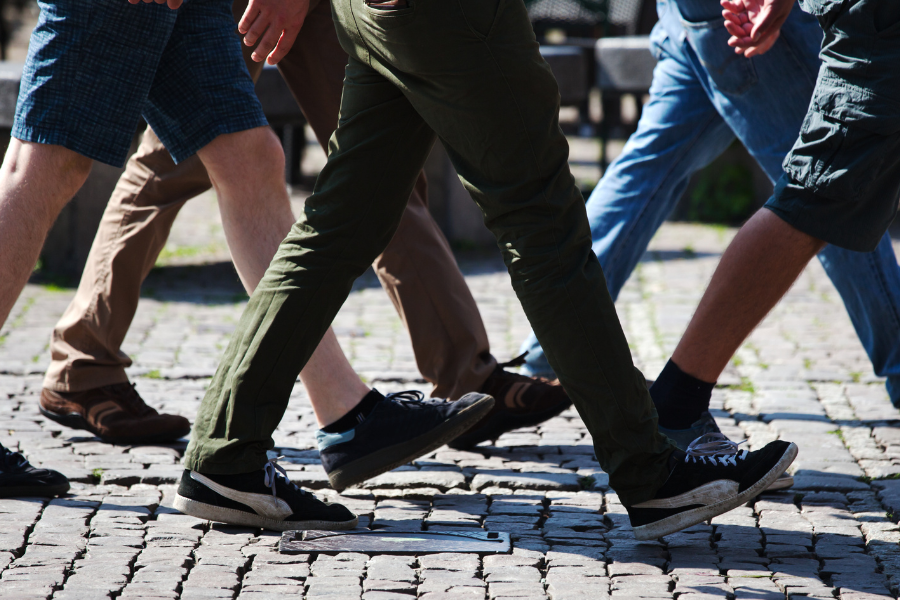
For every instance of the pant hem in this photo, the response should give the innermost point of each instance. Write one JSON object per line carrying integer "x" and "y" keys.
{"x": 82, "y": 383}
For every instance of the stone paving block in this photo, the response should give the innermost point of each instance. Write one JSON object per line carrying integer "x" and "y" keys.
{"x": 525, "y": 481}
{"x": 529, "y": 482}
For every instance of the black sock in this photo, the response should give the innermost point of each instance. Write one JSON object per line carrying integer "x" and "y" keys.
{"x": 356, "y": 415}
{"x": 680, "y": 398}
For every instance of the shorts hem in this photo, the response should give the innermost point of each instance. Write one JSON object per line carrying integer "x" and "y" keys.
{"x": 799, "y": 208}
{"x": 234, "y": 124}
{"x": 36, "y": 135}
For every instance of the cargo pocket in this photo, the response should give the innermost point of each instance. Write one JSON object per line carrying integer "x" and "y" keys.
{"x": 843, "y": 144}
{"x": 730, "y": 72}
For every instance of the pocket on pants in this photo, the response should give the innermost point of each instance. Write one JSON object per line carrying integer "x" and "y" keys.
{"x": 480, "y": 15}
{"x": 836, "y": 158}
{"x": 379, "y": 9}
{"x": 730, "y": 72}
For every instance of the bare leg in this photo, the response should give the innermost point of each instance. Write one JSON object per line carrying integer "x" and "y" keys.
{"x": 247, "y": 170}
{"x": 36, "y": 181}
{"x": 757, "y": 269}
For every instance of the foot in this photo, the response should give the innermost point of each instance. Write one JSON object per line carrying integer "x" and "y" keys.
{"x": 264, "y": 498}
{"x": 703, "y": 485}
{"x": 19, "y": 478}
{"x": 707, "y": 425}
{"x": 401, "y": 428}
{"x": 521, "y": 401}
{"x": 115, "y": 413}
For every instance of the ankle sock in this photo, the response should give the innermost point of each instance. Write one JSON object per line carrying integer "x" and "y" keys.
{"x": 357, "y": 414}
{"x": 680, "y": 398}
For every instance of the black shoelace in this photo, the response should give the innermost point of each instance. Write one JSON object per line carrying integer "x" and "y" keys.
{"x": 408, "y": 398}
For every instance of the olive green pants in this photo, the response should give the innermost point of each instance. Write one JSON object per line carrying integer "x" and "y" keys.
{"x": 469, "y": 71}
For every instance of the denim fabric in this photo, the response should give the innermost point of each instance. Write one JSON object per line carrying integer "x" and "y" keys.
{"x": 689, "y": 121}
{"x": 94, "y": 68}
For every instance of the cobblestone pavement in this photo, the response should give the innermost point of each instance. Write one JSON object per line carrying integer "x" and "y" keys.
{"x": 802, "y": 376}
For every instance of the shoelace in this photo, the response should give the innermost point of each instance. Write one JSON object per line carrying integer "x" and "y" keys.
{"x": 715, "y": 447}
{"x": 407, "y": 398}
{"x": 272, "y": 471}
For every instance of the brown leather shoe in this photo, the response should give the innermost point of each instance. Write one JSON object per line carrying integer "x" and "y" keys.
{"x": 520, "y": 402}
{"x": 115, "y": 413}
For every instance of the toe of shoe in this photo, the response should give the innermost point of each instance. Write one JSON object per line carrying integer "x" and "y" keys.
{"x": 473, "y": 399}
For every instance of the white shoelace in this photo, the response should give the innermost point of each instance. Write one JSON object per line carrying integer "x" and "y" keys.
{"x": 715, "y": 447}
{"x": 272, "y": 469}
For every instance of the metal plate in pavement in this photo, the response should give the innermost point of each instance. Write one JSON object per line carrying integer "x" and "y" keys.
{"x": 394, "y": 542}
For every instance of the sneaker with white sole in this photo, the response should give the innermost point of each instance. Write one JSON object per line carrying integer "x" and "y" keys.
{"x": 706, "y": 424}
{"x": 264, "y": 498}
{"x": 706, "y": 484}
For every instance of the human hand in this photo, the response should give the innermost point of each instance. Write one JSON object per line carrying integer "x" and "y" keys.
{"x": 275, "y": 24}
{"x": 754, "y": 25}
{"x": 173, "y": 4}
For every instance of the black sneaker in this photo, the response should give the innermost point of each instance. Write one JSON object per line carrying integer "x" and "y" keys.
{"x": 401, "y": 428}
{"x": 706, "y": 484}
{"x": 707, "y": 425}
{"x": 19, "y": 478}
{"x": 265, "y": 498}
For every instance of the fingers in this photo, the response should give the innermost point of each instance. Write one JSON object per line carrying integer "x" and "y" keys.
{"x": 266, "y": 44}
{"x": 284, "y": 46}
{"x": 251, "y": 14}
{"x": 174, "y": 4}
{"x": 256, "y": 30}
{"x": 763, "y": 22}
{"x": 763, "y": 47}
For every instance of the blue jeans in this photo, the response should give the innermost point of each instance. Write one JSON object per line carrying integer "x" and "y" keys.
{"x": 703, "y": 96}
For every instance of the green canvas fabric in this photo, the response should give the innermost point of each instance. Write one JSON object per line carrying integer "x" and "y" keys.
{"x": 469, "y": 72}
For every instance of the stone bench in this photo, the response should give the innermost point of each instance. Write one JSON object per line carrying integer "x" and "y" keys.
{"x": 624, "y": 66}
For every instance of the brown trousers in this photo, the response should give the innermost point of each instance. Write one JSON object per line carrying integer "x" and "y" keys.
{"x": 417, "y": 269}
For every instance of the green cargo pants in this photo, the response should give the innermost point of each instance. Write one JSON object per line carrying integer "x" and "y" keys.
{"x": 470, "y": 72}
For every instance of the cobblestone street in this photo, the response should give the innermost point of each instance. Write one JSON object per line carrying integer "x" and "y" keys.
{"x": 803, "y": 376}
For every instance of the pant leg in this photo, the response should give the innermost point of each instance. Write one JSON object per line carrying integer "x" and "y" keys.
{"x": 375, "y": 157}
{"x": 85, "y": 344}
{"x": 417, "y": 269}
{"x": 473, "y": 70}
{"x": 679, "y": 133}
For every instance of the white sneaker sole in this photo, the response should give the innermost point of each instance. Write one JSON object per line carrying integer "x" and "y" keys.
{"x": 782, "y": 483}
{"x": 658, "y": 529}
{"x": 201, "y": 510}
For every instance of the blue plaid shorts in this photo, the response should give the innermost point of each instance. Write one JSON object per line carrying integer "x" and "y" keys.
{"x": 96, "y": 66}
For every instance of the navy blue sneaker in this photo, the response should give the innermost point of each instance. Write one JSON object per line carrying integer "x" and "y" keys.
{"x": 704, "y": 426}
{"x": 264, "y": 498}
{"x": 401, "y": 428}
{"x": 19, "y": 478}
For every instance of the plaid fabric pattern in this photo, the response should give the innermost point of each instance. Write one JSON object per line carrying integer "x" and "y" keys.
{"x": 96, "y": 66}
